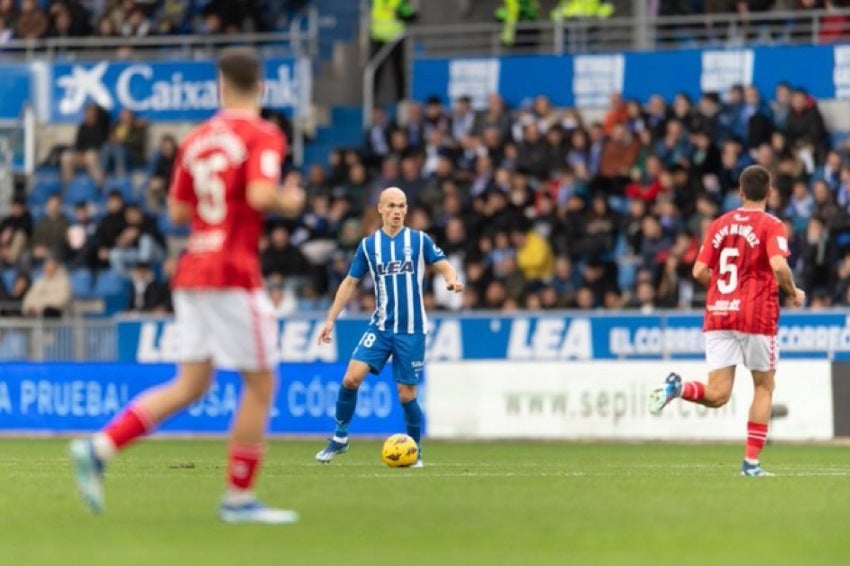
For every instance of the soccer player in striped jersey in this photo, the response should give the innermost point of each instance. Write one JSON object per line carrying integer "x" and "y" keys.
{"x": 396, "y": 257}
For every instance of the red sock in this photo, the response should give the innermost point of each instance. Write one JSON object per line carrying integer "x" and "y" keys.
{"x": 243, "y": 464}
{"x": 756, "y": 437}
{"x": 128, "y": 426}
{"x": 693, "y": 391}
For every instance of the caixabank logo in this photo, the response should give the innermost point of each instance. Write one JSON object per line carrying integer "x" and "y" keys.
{"x": 185, "y": 90}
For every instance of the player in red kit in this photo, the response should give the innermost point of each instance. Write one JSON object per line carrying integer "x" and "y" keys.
{"x": 226, "y": 178}
{"x": 743, "y": 263}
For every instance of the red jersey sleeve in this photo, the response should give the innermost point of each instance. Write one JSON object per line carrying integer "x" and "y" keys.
{"x": 181, "y": 189}
{"x": 707, "y": 253}
{"x": 777, "y": 240}
{"x": 265, "y": 159}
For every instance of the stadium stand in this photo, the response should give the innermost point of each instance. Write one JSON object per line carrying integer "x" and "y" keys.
{"x": 541, "y": 207}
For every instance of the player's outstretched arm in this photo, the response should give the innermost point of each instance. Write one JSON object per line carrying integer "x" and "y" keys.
{"x": 447, "y": 270}
{"x": 702, "y": 273}
{"x": 785, "y": 278}
{"x": 344, "y": 294}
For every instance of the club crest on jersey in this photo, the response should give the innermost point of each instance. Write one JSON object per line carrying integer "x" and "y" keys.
{"x": 395, "y": 267}
{"x": 407, "y": 251}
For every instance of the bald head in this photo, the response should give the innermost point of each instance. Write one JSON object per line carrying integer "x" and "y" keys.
{"x": 392, "y": 193}
{"x": 392, "y": 207}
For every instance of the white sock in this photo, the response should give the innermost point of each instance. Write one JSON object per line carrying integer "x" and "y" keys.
{"x": 340, "y": 439}
{"x": 751, "y": 462}
{"x": 103, "y": 446}
{"x": 237, "y": 496}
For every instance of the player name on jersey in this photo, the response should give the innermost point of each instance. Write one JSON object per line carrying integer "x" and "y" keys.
{"x": 744, "y": 230}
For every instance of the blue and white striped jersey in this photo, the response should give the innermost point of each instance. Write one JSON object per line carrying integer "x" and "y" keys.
{"x": 397, "y": 266}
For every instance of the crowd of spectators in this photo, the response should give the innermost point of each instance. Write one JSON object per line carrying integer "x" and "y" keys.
{"x": 755, "y": 21}
{"x": 35, "y": 19}
{"x": 537, "y": 207}
{"x": 542, "y": 210}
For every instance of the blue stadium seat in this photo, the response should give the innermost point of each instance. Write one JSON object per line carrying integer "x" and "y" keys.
{"x": 37, "y": 212}
{"x": 81, "y": 187}
{"x": 82, "y": 283}
{"x": 43, "y": 187}
{"x": 9, "y": 275}
{"x": 114, "y": 289}
{"x": 123, "y": 184}
{"x": 169, "y": 229}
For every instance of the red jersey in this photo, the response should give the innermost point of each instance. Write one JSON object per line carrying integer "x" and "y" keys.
{"x": 213, "y": 168}
{"x": 743, "y": 294}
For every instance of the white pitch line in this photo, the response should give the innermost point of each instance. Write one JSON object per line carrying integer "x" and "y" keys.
{"x": 471, "y": 475}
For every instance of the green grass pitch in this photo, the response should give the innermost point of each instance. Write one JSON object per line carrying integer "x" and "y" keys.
{"x": 497, "y": 503}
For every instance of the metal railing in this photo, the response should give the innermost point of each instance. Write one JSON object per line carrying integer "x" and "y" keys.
{"x": 638, "y": 31}
{"x": 301, "y": 38}
{"x": 77, "y": 339}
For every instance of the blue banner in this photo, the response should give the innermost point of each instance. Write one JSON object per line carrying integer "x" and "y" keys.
{"x": 64, "y": 397}
{"x": 15, "y": 90}
{"x": 588, "y": 80}
{"x": 163, "y": 90}
{"x": 522, "y": 337}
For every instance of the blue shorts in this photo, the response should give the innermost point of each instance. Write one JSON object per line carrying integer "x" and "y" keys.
{"x": 407, "y": 350}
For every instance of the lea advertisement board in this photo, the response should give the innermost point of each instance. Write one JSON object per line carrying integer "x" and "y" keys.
{"x": 533, "y": 339}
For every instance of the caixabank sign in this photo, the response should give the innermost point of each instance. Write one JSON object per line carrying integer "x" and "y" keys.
{"x": 163, "y": 90}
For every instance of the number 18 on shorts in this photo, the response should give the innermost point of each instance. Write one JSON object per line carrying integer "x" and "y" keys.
{"x": 407, "y": 351}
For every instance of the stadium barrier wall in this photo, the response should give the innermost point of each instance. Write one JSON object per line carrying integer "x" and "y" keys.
{"x": 607, "y": 400}
{"x": 542, "y": 338}
{"x": 56, "y": 398}
{"x": 582, "y": 375}
{"x": 586, "y": 81}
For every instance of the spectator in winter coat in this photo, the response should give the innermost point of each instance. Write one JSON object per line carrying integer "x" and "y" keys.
{"x": 91, "y": 135}
{"x": 618, "y": 155}
{"x": 49, "y": 233}
{"x": 15, "y": 231}
{"x": 805, "y": 124}
{"x": 139, "y": 240}
{"x": 126, "y": 146}
{"x": 149, "y": 295}
{"x": 50, "y": 294}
